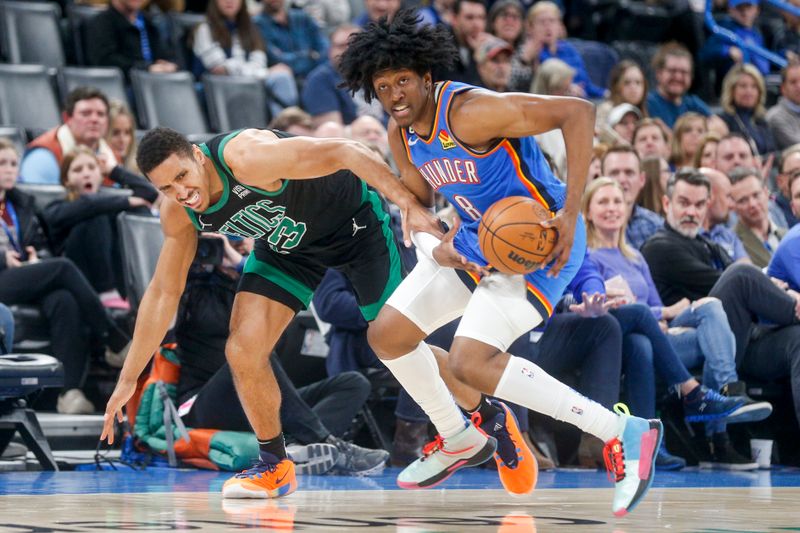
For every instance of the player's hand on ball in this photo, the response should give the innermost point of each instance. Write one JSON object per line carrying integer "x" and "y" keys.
{"x": 446, "y": 255}
{"x": 417, "y": 218}
{"x": 564, "y": 224}
{"x": 122, "y": 393}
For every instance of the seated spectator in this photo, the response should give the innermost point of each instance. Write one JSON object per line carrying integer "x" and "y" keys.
{"x": 717, "y": 52}
{"x": 670, "y": 99}
{"x": 656, "y": 174}
{"x": 71, "y": 307}
{"x": 595, "y": 165}
{"x": 706, "y": 154}
{"x": 85, "y": 224}
{"x": 121, "y": 136}
{"x": 698, "y": 331}
{"x": 469, "y": 29}
{"x": 371, "y": 132}
{"x": 330, "y": 129}
{"x": 622, "y": 120}
{"x": 293, "y": 120}
{"x": 506, "y": 21}
{"x": 622, "y": 164}
{"x": 743, "y": 95}
{"x": 125, "y": 37}
{"x": 651, "y": 139}
{"x": 545, "y": 40}
{"x": 689, "y": 130}
{"x": 320, "y": 412}
{"x": 785, "y": 262}
{"x": 227, "y": 43}
{"x": 437, "y": 12}
{"x": 789, "y": 163}
{"x": 554, "y": 78}
{"x": 292, "y": 38}
{"x": 784, "y": 117}
{"x": 758, "y": 233}
{"x": 715, "y": 225}
{"x": 85, "y": 124}
{"x": 374, "y": 10}
{"x": 328, "y": 14}
{"x": 627, "y": 84}
{"x": 493, "y": 60}
{"x": 322, "y": 95}
{"x": 734, "y": 151}
{"x": 684, "y": 264}
{"x": 786, "y": 39}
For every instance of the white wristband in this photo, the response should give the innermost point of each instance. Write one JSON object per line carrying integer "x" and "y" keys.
{"x": 425, "y": 242}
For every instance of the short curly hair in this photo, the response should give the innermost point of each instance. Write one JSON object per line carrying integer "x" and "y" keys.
{"x": 157, "y": 145}
{"x": 397, "y": 44}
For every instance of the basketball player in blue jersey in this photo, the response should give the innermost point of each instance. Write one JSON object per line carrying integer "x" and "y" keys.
{"x": 475, "y": 147}
{"x": 302, "y": 201}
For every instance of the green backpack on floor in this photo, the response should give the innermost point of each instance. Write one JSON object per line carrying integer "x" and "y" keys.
{"x": 202, "y": 448}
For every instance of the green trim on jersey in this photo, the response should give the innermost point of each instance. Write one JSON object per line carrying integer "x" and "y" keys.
{"x": 278, "y": 277}
{"x": 228, "y": 169}
{"x": 369, "y": 312}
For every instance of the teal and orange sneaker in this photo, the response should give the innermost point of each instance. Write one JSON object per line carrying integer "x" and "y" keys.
{"x": 631, "y": 458}
{"x": 262, "y": 480}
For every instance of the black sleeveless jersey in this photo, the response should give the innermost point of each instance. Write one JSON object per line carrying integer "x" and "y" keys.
{"x": 295, "y": 219}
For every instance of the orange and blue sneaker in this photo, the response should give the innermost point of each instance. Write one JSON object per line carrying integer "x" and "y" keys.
{"x": 262, "y": 480}
{"x": 631, "y": 458}
{"x": 516, "y": 464}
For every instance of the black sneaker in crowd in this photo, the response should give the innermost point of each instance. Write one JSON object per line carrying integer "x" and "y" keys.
{"x": 357, "y": 461}
{"x": 751, "y": 410}
{"x": 725, "y": 457}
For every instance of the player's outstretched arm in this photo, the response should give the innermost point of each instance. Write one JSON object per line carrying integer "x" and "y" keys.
{"x": 157, "y": 309}
{"x": 259, "y": 159}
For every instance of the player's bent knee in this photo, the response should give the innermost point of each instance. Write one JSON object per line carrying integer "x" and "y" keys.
{"x": 391, "y": 335}
{"x": 244, "y": 353}
{"x": 460, "y": 366}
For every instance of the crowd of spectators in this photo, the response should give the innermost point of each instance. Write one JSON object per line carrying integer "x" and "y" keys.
{"x": 694, "y": 207}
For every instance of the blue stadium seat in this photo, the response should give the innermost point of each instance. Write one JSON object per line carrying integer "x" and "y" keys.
{"x": 599, "y": 59}
{"x": 77, "y": 15}
{"x": 16, "y": 135}
{"x": 181, "y": 26}
{"x": 235, "y": 102}
{"x": 28, "y": 98}
{"x": 110, "y": 80}
{"x": 30, "y": 33}
{"x": 168, "y": 100}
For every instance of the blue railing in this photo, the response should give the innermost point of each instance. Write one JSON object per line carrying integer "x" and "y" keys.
{"x": 734, "y": 39}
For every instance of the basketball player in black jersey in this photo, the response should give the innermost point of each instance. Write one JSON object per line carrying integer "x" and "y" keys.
{"x": 303, "y": 202}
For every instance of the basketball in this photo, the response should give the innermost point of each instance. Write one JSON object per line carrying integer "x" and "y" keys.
{"x": 511, "y": 238}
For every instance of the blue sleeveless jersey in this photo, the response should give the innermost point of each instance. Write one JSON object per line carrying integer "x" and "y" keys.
{"x": 473, "y": 181}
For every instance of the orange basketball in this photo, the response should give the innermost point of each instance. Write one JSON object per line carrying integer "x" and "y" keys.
{"x": 511, "y": 238}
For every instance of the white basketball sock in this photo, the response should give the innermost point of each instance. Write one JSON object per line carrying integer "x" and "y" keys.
{"x": 418, "y": 373}
{"x": 527, "y": 385}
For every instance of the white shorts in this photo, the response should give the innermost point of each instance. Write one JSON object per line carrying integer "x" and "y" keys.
{"x": 496, "y": 313}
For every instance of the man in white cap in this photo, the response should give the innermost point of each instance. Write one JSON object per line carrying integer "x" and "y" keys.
{"x": 622, "y": 119}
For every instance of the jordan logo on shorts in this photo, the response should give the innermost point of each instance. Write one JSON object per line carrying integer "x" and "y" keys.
{"x": 356, "y": 227}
